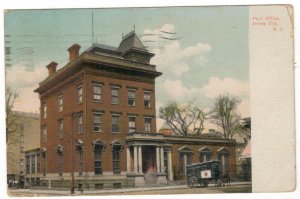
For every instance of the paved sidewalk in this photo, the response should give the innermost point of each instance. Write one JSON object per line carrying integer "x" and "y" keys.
{"x": 122, "y": 190}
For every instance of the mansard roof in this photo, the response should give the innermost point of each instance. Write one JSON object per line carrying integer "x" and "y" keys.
{"x": 129, "y": 42}
{"x": 109, "y": 58}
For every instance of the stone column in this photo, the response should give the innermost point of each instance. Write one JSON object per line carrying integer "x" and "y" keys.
{"x": 135, "y": 160}
{"x": 140, "y": 159}
{"x": 128, "y": 159}
{"x": 157, "y": 160}
{"x": 184, "y": 163}
{"x": 170, "y": 169}
{"x": 162, "y": 161}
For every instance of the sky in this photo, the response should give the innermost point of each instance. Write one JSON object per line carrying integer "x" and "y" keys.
{"x": 208, "y": 55}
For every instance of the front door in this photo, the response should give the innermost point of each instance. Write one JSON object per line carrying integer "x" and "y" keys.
{"x": 149, "y": 157}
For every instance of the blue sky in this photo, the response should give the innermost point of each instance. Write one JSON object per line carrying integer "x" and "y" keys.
{"x": 209, "y": 58}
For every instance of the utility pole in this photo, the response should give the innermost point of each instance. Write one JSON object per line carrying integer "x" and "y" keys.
{"x": 72, "y": 116}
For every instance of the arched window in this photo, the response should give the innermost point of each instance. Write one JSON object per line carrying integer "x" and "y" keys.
{"x": 223, "y": 155}
{"x": 60, "y": 159}
{"x": 116, "y": 152}
{"x": 204, "y": 154}
{"x": 185, "y": 158}
{"x": 79, "y": 149}
{"x": 44, "y": 156}
{"x": 98, "y": 153}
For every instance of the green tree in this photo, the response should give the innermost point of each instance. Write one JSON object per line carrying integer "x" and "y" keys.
{"x": 225, "y": 116}
{"x": 187, "y": 119}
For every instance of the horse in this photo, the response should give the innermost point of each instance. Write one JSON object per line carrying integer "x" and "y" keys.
{"x": 225, "y": 179}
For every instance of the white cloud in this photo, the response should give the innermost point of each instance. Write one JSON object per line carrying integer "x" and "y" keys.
{"x": 19, "y": 76}
{"x": 25, "y": 81}
{"x": 172, "y": 58}
{"x": 176, "y": 90}
{"x": 228, "y": 85}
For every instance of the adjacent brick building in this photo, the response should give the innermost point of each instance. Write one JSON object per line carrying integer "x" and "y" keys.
{"x": 98, "y": 119}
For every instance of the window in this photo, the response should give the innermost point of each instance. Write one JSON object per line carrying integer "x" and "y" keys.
{"x": 185, "y": 158}
{"x": 21, "y": 165}
{"x": 80, "y": 160}
{"x": 27, "y": 159}
{"x": 147, "y": 97}
{"x": 98, "y": 158}
{"x": 60, "y": 161}
{"x": 97, "y": 92}
{"x": 115, "y": 95}
{"x": 117, "y": 185}
{"x": 97, "y": 122}
{"x": 44, "y": 109}
{"x": 204, "y": 155}
{"x": 223, "y": 158}
{"x": 22, "y": 138}
{"x": 79, "y": 123}
{"x": 99, "y": 186}
{"x": 44, "y": 134}
{"x": 60, "y": 103}
{"x": 131, "y": 124}
{"x": 115, "y": 123}
{"x": 131, "y": 97}
{"x": 147, "y": 124}
{"x": 32, "y": 163}
{"x": 79, "y": 94}
{"x": 60, "y": 128}
{"x": 116, "y": 158}
{"x": 38, "y": 163}
{"x": 44, "y": 165}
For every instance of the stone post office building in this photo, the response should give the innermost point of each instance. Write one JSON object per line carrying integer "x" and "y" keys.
{"x": 98, "y": 120}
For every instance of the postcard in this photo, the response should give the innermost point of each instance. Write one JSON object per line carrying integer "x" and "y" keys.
{"x": 154, "y": 100}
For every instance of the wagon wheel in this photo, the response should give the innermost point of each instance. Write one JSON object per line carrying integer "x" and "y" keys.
{"x": 193, "y": 182}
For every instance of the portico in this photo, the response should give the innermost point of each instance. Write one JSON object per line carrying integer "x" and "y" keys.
{"x": 146, "y": 158}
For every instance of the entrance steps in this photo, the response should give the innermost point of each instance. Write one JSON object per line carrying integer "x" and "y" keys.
{"x": 150, "y": 178}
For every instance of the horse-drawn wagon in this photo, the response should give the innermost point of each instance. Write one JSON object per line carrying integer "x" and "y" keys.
{"x": 205, "y": 173}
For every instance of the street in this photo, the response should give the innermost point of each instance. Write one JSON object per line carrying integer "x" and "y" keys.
{"x": 182, "y": 189}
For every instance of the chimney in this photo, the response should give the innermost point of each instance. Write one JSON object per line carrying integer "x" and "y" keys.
{"x": 73, "y": 51}
{"x": 52, "y": 68}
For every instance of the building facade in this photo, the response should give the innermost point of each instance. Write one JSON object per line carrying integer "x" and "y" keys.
{"x": 98, "y": 122}
{"x": 26, "y": 137}
{"x": 32, "y": 169}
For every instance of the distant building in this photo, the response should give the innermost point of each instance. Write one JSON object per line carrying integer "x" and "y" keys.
{"x": 32, "y": 172}
{"x": 243, "y": 140}
{"x": 246, "y": 162}
{"x": 98, "y": 121}
{"x": 26, "y": 137}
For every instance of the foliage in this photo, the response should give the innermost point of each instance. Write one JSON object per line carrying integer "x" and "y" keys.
{"x": 11, "y": 118}
{"x": 225, "y": 116}
{"x": 185, "y": 119}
